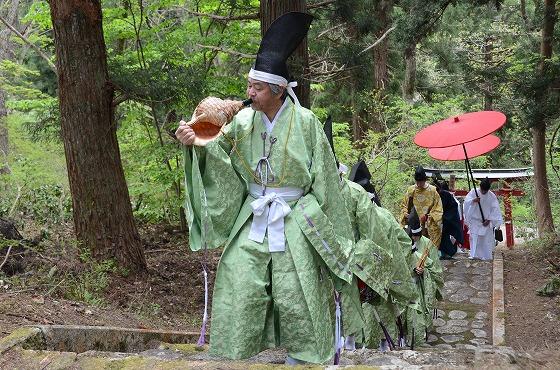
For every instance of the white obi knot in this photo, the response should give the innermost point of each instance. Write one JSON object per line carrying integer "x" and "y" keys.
{"x": 269, "y": 211}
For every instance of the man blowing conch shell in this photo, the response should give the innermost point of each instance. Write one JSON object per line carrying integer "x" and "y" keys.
{"x": 267, "y": 190}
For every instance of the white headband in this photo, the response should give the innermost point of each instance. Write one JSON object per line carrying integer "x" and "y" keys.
{"x": 414, "y": 231}
{"x": 277, "y": 80}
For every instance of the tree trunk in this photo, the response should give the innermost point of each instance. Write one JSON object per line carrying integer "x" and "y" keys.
{"x": 102, "y": 211}
{"x": 357, "y": 129}
{"x": 523, "y": 11}
{"x": 298, "y": 64}
{"x": 381, "y": 51}
{"x": 409, "y": 84}
{"x": 380, "y": 60}
{"x": 488, "y": 88}
{"x": 4, "y": 144}
{"x": 542, "y": 196}
{"x": 5, "y": 45}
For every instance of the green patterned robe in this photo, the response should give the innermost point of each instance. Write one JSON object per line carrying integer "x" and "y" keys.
{"x": 264, "y": 299}
{"x": 386, "y": 232}
{"x": 430, "y": 285}
{"x": 379, "y": 261}
{"x": 370, "y": 262}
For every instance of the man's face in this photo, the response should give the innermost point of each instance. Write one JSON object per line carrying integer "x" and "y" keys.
{"x": 421, "y": 184}
{"x": 483, "y": 191}
{"x": 261, "y": 94}
{"x": 416, "y": 237}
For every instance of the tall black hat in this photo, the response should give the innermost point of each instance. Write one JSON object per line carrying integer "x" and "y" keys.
{"x": 439, "y": 181}
{"x": 414, "y": 226}
{"x": 437, "y": 176}
{"x": 329, "y": 134}
{"x": 360, "y": 175}
{"x": 485, "y": 184}
{"x": 420, "y": 174}
{"x": 279, "y": 42}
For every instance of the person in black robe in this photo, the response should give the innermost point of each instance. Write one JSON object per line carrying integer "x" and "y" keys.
{"x": 451, "y": 233}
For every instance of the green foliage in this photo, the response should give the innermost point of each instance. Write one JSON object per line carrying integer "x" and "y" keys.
{"x": 39, "y": 14}
{"x": 7, "y": 243}
{"x": 37, "y": 186}
{"x": 43, "y": 116}
{"x": 149, "y": 310}
{"x": 89, "y": 285}
{"x": 551, "y": 288}
{"x": 345, "y": 151}
{"x": 529, "y": 83}
{"x": 153, "y": 169}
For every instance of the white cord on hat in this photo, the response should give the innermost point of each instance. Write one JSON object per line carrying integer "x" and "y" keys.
{"x": 415, "y": 231}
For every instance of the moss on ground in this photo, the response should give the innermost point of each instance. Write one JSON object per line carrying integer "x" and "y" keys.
{"x": 21, "y": 336}
{"x": 185, "y": 348}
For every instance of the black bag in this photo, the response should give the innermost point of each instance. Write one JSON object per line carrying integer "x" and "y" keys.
{"x": 498, "y": 235}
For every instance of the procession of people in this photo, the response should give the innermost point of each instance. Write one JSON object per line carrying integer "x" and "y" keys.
{"x": 311, "y": 262}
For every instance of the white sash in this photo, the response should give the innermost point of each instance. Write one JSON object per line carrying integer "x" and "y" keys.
{"x": 269, "y": 211}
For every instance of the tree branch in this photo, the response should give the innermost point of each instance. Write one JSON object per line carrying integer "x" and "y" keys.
{"x": 329, "y": 30}
{"x": 378, "y": 41}
{"x": 250, "y": 16}
{"x": 551, "y": 151}
{"x": 429, "y": 23}
{"x": 33, "y": 46}
{"x": 120, "y": 99}
{"x": 223, "y": 18}
{"x": 321, "y": 4}
{"x": 227, "y": 51}
{"x": 6, "y": 257}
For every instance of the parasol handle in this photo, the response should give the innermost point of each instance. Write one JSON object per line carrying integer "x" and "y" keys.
{"x": 479, "y": 206}
{"x": 468, "y": 178}
{"x": 469, "y": 171}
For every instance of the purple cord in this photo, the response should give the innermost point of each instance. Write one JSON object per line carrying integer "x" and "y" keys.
{"x": 202, "y": 338}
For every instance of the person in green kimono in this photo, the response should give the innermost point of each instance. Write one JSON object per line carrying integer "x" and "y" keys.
{"x": 424, "y": 261}
{"x": 370, "y": 263}
{"x": 379, "y": 225}
{"x": 267, "y": 190}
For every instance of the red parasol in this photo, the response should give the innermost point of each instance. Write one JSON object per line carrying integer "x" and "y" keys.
{"x": 460, "y": 129}
{"x": 473, "y": 149}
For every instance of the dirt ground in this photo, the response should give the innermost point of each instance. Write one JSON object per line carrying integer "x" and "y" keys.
{"x": 532, "y": 321}
{"x": 170, "y": 295}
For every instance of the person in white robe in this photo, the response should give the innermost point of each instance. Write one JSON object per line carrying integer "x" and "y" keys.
{"x": 482, "y": 220}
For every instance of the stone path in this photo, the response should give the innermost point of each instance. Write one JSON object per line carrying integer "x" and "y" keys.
{"x": 464, "y": 315}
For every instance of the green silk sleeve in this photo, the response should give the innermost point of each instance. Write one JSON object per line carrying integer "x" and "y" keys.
{"x": 326, "y": 185}
{"x": 214, "y": 195}
{"x": 322, "y": 214}
{"x": 373, "y": 261}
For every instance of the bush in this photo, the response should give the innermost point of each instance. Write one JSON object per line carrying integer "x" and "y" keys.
{"x": 89, "y": 285}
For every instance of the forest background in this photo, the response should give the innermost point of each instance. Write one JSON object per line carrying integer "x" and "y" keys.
{"x": 383, "y": 69}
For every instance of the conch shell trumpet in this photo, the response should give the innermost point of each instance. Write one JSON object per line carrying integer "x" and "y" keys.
{"x": 210, "y": 115}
